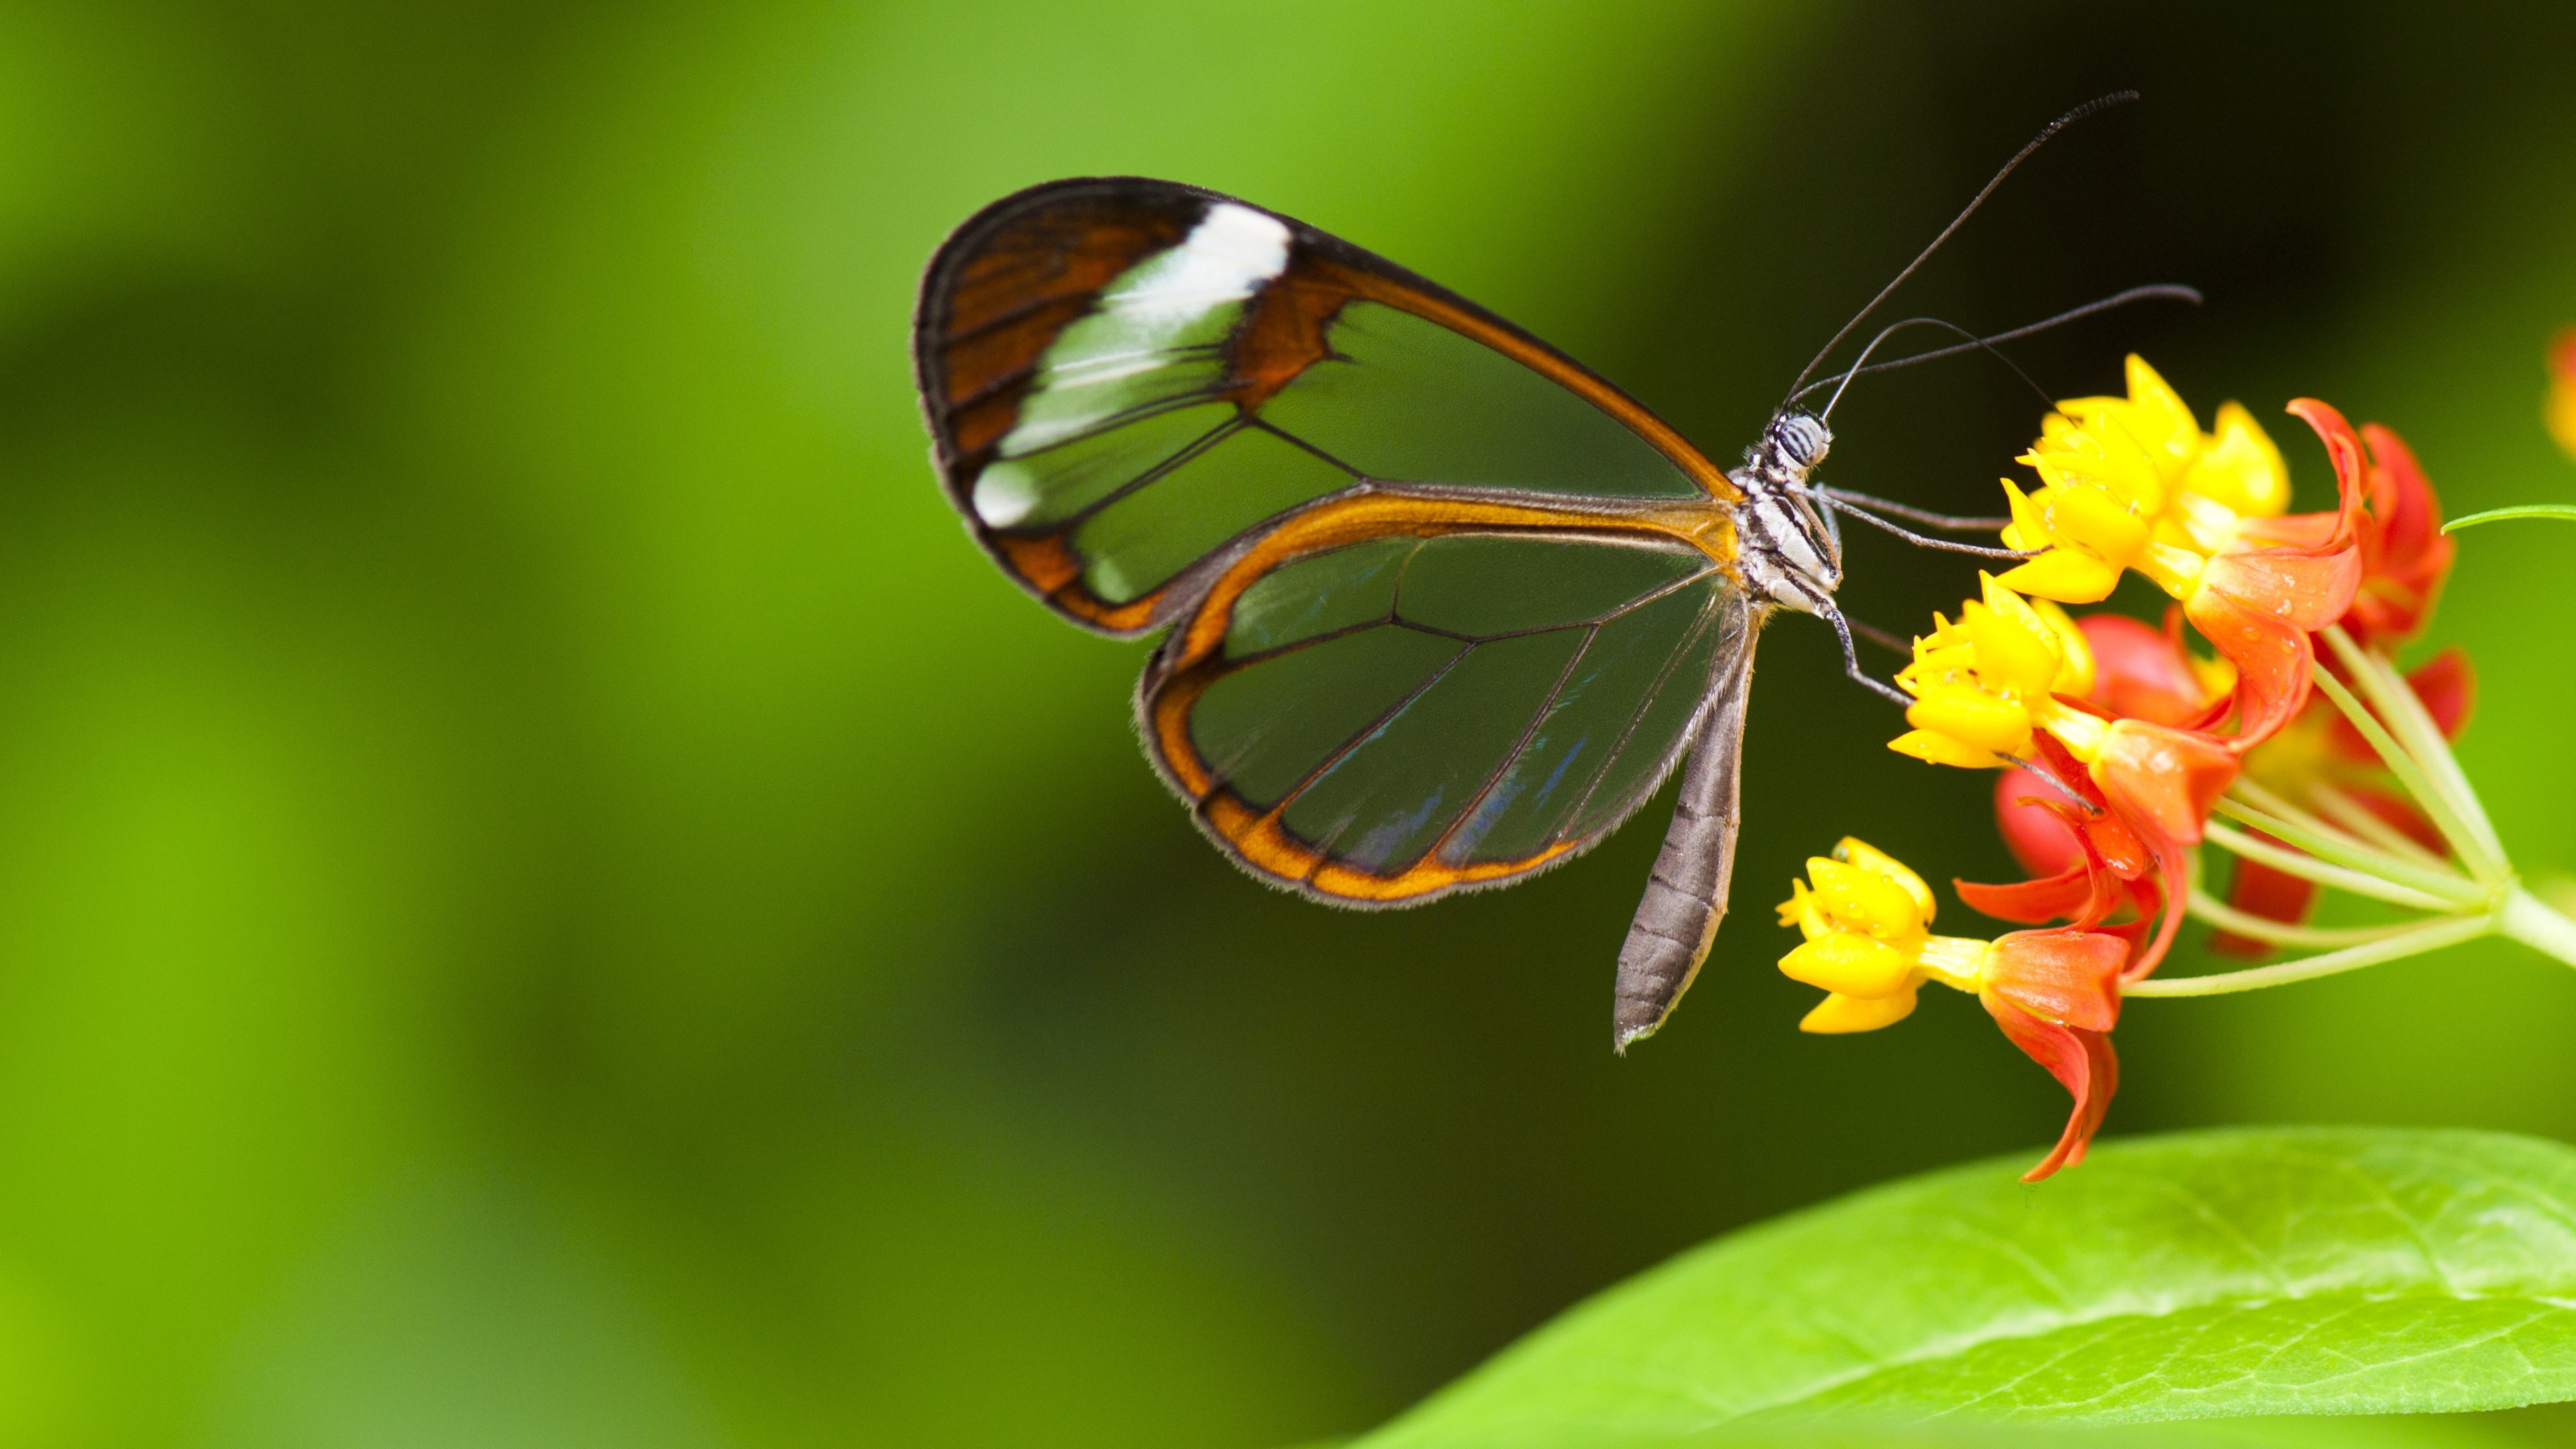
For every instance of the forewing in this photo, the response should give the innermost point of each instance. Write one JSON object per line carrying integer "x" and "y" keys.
{"x": 1432, "y": 704}
{"x": 1125, "y": 379}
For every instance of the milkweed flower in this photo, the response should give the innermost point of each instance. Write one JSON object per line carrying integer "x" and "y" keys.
{"x": 2012, "y": 668}
{"x": 2133, "y": 483}
{"x": 2005, "y": 685}
{"x": 2058, "y": 825}
{"x": 1866, "y": 921}
{"x": 2141, "y": 672}
{"x": 2319, "y": 760}
{"x": 2124, "y": 754}
{"x": 1984, "y": 684}
{"x": 2086, "y": 862}
{"x": 2405, "y": 556}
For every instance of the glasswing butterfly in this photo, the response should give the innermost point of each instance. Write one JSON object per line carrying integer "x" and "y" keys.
{"x": 1444, "y": 606}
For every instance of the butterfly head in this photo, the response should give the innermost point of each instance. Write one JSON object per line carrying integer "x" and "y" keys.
{"x": 1797, "y": 440}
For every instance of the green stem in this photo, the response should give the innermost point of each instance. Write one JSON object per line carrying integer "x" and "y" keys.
{"x": 2349, "y": 814}
{"x": 2526, "y": 918}
{"x": 2337, "y": 848}
{"x": 2308, "y": 867}
{"x": 2216, "y": 912}
{"x": 2521, "y": 510}
{"x": 2253, "y": 793}
{"x": 2414, "y": 724}
{"x": 2410, "y": 774}
{"x": 2432, "y": 936}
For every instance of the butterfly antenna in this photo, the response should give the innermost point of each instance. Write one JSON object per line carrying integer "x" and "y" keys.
{"x": 2162, "y": 291}
{"x": 2099, "y": 103}
{"x": 1843, "y": 380}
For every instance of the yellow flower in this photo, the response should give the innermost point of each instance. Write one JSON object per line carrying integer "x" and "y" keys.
{"x": 1981, "y": 685}
{"x": 2133, "y": 483}
{"x": 2055, "y": 993}
{"x": 1864, "y": 917}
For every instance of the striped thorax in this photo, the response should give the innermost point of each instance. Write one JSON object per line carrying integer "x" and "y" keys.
{"x": 1792, "y": 553}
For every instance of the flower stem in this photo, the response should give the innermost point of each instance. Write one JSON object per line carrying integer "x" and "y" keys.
{"x": 2432, "y": 936}
{"x": 2337, "y": 848}
{"x": 2445, "y": 795}
{"x": 2357, "y": 821}
{"x": 2216, "y": 912}
{"x": 2308, "y": 867}
{"x": 2526, "y": 918}
{"x": 2524, "y": 510}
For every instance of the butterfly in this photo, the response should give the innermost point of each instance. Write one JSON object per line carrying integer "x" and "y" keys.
{"x": 1442, "y": 607}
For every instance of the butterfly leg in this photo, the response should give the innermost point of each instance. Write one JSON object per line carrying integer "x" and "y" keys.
{"x": 1851, "y": 657}
{"x": 1841, "y": 503}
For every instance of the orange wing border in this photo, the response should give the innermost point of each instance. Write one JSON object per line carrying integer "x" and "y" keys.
{"x": 1192, "y": 659}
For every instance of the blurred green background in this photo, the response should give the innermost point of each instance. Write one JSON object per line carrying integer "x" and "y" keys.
{"x": 549, "y": 896}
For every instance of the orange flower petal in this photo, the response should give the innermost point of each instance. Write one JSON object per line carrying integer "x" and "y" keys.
{"x": 2404, "y": 555}
{"x": 2082, "y": 1062}
{"x": 2164, "y": 780}
{"x": 2140, "y": 672}
{"x": 2062, "y": 896}
{"x": 2344, "y": 450}
{"x": 2272, "y": 658}
{"x": 2066, "y": 977}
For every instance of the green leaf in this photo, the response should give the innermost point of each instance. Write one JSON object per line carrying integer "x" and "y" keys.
{"x": 2203, "y": 1275}
{"x": 2414, "y": 1431}
{"x": 2396, "y": 1432}
{"x": 2519, "y": 510}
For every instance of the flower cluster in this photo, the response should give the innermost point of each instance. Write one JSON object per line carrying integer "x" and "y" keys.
{"x": 2054, "y": 993}
{"x": 2123, "y": 749}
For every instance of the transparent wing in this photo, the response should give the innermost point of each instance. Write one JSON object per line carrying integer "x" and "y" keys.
{"x": 1436, "y": 705}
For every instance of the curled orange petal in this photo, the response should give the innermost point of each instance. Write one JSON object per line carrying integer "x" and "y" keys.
{"x": 2405, "y": 556}
{"x": 2258, "y": 606}
{"x": 2268, "y": 646}
{"x": 2066, "y": 895}
{"x": 2041, "y": 843}
{"x": 2351, "y": 464}
{"x": 2083, "y": 1063}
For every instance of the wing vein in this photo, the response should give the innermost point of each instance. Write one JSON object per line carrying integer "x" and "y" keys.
{"x": 1637, "y": 716}
{"x": 1362, "y": 736}
{"x": 1520, "y": 746}
{"x": 1190, "y": 452}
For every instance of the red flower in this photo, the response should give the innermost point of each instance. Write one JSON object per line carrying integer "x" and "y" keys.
{"x": 2056, "y": 994}
{"x": 2405, "y": 556}
{"x": 2083, "y": 1063}
{"x": 2258, "y": 606}
{"x": 2142, "y": 673}
{"x": 2085, "y": 861}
